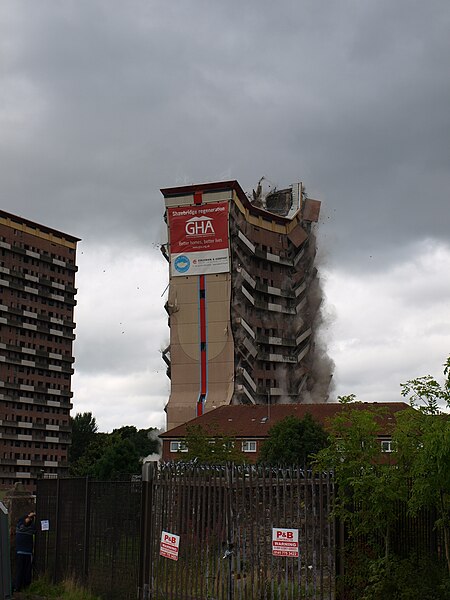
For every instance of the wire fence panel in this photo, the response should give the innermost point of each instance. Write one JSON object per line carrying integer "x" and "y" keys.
{"x": 71, "y": 510}
{"x": 94, "y": 534}
{"x": 220, "y": 522}
{"x": 45, "y": 545}
{"x": 224, "y": 517}
{"x": 114, "y": 538}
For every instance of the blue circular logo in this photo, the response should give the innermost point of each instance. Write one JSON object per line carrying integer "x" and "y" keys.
{"x": 182, "y": 264}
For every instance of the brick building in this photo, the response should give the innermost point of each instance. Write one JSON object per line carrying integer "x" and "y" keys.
{"x": 249, "y": 426}
{"x": 243, "y": 299}
{"x": 37, "y": 299}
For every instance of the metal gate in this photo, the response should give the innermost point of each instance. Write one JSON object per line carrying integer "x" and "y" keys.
{"x": 224, "y": 517}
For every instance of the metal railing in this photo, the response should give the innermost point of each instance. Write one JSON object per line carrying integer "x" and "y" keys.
{"x": 93, "y": 534}
{"x": 108, "y": 535}
{"x": 224, "y": 517}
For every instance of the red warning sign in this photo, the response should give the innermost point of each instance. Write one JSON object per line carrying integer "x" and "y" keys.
{"x": 170, "y": 544}
{"x": 285, "y": 542}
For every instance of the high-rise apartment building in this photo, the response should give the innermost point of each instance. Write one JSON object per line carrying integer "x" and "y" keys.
{"x": 243, "y": 298}
{"x": 37, "y": 299}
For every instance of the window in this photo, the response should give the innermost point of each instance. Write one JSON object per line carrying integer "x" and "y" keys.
{"x": 386, "y": 446}
{"x": 177, "y": 446}
{"x": 248, "y": 446}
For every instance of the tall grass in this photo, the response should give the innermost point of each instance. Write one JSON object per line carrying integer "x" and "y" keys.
{"x": 69, "y": 589}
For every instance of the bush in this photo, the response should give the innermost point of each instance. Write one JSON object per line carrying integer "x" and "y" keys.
{"x": 414, "y": 578}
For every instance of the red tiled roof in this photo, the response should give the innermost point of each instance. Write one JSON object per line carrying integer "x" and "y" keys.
{"x": 256, "y": 420}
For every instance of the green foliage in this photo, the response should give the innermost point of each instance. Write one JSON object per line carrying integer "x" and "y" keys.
{"x": 43, "y": 589}
{"x": 210, "y": 446}
{"x": 347, "y": 399}
{"x": 108, "y": 455}
{"x": 371, "y": 483}
{"x": 428, "y": 392}
{"x": 144, "y": 440}
{"x": 293, "y": 441}
{"x": 423, "y": 442}
{"x": 84, "y": 428}
{"x": 413, "y": 578}
{"x": 368, "y": 486}
{"x": 119, "y": 458}
{"x": 85, "y": 464}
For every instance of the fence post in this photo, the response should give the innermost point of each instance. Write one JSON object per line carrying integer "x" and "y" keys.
{"x": 148, "y": 476}
{"x": 87, "y": 528}
{"x": 57, "y": 543}
{"x": 229, "y": 529}
{"x": 5, "y": 566}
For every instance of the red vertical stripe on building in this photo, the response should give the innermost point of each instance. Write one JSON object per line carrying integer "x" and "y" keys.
{"x": 203, "y": 364}
{"x": 203, "y": 390}
{"x": 198, "y": 199}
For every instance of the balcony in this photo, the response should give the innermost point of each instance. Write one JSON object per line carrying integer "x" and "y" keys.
{"x": 165, "y": 354}
{"x": 263, "y": 288}
{"x": 40, "y": 256}
{"x": 277, "y": 358}
{"x": 276, "y": 341}
{"x": 241, "y": 321}
{"x": 34, "y": 426}
{"x": 36, "y": 436}
{"x": 246, "y": 396}
{"x": 39, "y": 364}
{"x": 39, "y": 353}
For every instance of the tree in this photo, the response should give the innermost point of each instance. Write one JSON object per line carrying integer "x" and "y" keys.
{"x": 104, "y": 454}
{"x": 119, "y": 458}
{"x": 144, "y": 440}
{"x": 84, "y": 428}
{"x": 428, "y": 392}
{"x": 86, "y": 463}
{"x": 210, "y": 446}
{"x": 423, "y": 442}
{"x": 368, "y": 488}
{"x": 293, "y": 441}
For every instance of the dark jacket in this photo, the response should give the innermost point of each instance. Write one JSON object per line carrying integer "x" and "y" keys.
{"x": 24, "y": 536}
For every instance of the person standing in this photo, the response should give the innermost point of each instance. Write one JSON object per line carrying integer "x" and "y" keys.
{"x": 25, "y": 530}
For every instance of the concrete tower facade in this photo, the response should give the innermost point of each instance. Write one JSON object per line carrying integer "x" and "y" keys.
{"x": 243, "y": 298}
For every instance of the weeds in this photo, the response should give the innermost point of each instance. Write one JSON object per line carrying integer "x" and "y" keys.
{"x": 69, "y": 589}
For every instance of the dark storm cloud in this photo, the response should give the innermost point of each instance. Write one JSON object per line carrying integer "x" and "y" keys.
{"x": 103, "y": 102}
{"x": 352, "y": 97}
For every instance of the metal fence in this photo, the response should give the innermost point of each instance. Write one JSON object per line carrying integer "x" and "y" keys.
{"x": 108, "y": 534}
{"x": 224, "y": 517}
{"x": 93, "y": 535}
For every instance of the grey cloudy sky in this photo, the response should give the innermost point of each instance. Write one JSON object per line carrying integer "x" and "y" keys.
{"x": 103, "y": 102}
